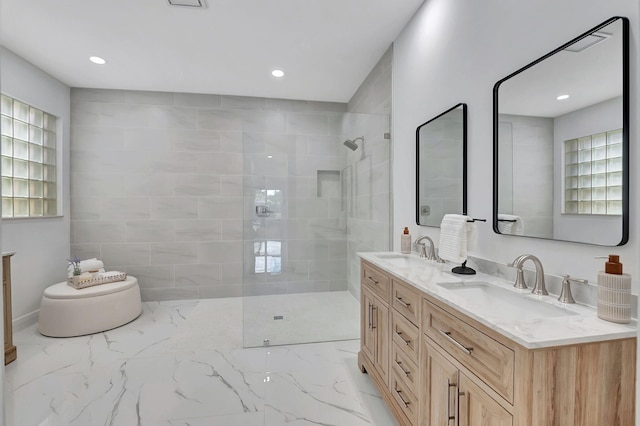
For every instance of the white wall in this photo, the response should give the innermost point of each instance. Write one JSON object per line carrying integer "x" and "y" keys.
{"x": 598, "y": 118}
{"x": 455, "y": 51}
{"x": 41, "y": 245}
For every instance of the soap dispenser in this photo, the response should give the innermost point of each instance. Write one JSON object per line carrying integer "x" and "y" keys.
{"x": 614, "y": 292}
{"x": 405, "y": 241}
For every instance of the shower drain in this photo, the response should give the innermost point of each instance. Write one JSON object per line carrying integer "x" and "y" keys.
{"x": 278, "y": 317}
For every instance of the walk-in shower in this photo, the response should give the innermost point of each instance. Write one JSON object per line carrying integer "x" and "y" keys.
{"x": 309, "y": 207}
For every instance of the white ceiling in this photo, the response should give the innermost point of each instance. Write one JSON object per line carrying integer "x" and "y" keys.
{"x": 326, "y": 47}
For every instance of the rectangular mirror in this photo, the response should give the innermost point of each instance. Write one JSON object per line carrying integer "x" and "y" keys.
{"x": 561, "y": 142}
{"x": 441, "y": 166}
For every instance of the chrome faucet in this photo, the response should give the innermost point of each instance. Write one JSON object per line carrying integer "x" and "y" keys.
{"x": 539, "y": 288}
{"x": 432, "y": 253}
{"x": 565, "y": 295}
{"x": 423, "y": 248}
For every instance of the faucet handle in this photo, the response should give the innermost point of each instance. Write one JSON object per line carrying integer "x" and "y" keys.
{"x": 520, "y": 283}
{"x": 565, "y": 295}
{"x": 577, "y": 280}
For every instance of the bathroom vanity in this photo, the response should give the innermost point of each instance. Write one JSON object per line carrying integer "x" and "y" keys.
{"x": 448, "y": 350}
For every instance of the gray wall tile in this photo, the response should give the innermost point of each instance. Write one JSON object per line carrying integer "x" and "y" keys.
{"x": 198, "y": 230}
{"x": 198, "y": 275}
{"x": 174, "y": 208}
{"x": 128, "y": 254}
{"x": 159, "y": 182}
{"x": 173, "y": 253}
{"x": 149, "y": 231}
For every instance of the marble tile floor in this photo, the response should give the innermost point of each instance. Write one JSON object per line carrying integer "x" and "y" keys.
{"x": 182, "y": 363}
{"x": 307, "y": 317}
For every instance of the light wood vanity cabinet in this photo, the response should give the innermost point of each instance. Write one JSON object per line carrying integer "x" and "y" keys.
{"x": 374, "y": 321}
{"x": 446, "y": 369}
{"x": 375, "y": 333}
{"x": 452, "y": 398}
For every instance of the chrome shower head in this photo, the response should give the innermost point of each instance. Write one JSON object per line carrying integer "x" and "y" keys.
{"x": 351, "y": 144}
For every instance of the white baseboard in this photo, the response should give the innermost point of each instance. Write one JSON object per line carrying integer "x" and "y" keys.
{"x": 25, "y": 321}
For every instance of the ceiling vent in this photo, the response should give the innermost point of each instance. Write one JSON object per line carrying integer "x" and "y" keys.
{"x": 588, "y": 41}
{"x": 188, "y": 3}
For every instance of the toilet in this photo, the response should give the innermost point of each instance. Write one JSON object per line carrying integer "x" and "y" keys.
{"x": 67, "y": 312}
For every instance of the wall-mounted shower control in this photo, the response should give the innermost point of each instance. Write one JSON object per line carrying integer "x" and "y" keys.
{"x": 263, "y": 211}
{"x": 425, "y": 210}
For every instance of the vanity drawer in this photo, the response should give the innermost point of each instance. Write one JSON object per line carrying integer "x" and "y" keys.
{"x": 377, "y": 281}
{"x": 405, "y": 399}
{"x": 406, "y": 301}
{"x": 405, "y": 368}
{"x": 487, "y": 358}
{"x": 405, "y": 335}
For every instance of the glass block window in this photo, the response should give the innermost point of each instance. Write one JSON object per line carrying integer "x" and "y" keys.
{"x": 28, "y": 155}
{"x": 593, "y": 174}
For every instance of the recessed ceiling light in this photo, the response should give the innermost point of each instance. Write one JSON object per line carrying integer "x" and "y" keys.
{"x": 277, "y": 73}
{"x": 562, "y": 97}
{"x": 269, "y": 156}
{"x": 97, "y": 60}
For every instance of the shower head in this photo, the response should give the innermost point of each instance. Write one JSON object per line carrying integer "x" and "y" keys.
{"x": 351, "y": 144}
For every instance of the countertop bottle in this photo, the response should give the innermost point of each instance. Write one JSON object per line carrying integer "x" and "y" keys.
{"x": 614, "y": 292}
{"x": 405, "y": 241}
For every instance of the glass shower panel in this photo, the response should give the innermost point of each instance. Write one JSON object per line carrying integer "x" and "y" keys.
{"x": 301, "y": 192}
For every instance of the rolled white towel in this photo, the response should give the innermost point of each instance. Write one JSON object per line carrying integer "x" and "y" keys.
{"x": 88, "y": 265}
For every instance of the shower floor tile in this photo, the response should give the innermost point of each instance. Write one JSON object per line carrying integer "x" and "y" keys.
{"x": 182, "y": 363}
{"x": 306, "y": 317}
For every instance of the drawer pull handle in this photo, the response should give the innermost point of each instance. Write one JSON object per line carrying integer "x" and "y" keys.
{"x": 406, "y": 373}
{"x": 449, "y": 386}
{"x": 374, "y": 316}
{"x": 405, "y": 402}
{"x": 402, "y": 302}
{"x": 447, "y": 334}
{"x": 399, "y": 333}
{"x": 373, "y": 281}
{"x": 370, "y": 315}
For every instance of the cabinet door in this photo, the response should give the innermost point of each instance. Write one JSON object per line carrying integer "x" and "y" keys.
{"x": 440, "y": 385}
{"x": 367, "y": 332}
{"x": 479, "y": 409}
{"x": 383, "y": 339}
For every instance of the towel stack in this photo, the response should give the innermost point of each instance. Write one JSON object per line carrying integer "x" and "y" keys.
{"x": 456, "y": 235}
{"x": 510, "y": 224}
{"x": 88, "y": 265}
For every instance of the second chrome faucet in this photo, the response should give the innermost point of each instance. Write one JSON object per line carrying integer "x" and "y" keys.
{"x": 430, "y": 254}
{"x": 539, "y": 287}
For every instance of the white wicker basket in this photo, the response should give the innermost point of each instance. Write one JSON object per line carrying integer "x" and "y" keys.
{"x": 614, "y": 297}
{"x": 103, "y": 278}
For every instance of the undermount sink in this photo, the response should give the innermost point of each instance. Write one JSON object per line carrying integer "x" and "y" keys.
{"x": 396, "y": 259}
{"x": 495, "y": 300}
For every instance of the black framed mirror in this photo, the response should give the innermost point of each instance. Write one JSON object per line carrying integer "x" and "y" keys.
{"x": 561, "y": 142}
{"x": 441, "y": 166}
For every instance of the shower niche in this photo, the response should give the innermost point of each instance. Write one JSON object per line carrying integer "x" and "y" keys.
{"x": 328, "y": 184}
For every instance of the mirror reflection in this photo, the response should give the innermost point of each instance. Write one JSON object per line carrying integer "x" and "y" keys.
{"x": 441, "y": 146}
{"x": 561, "y": 142}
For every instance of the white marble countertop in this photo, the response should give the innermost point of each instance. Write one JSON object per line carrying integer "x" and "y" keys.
{"x": 514, "y": 315}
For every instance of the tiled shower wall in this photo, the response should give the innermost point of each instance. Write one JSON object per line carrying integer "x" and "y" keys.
{"x": 162, "y": 187}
